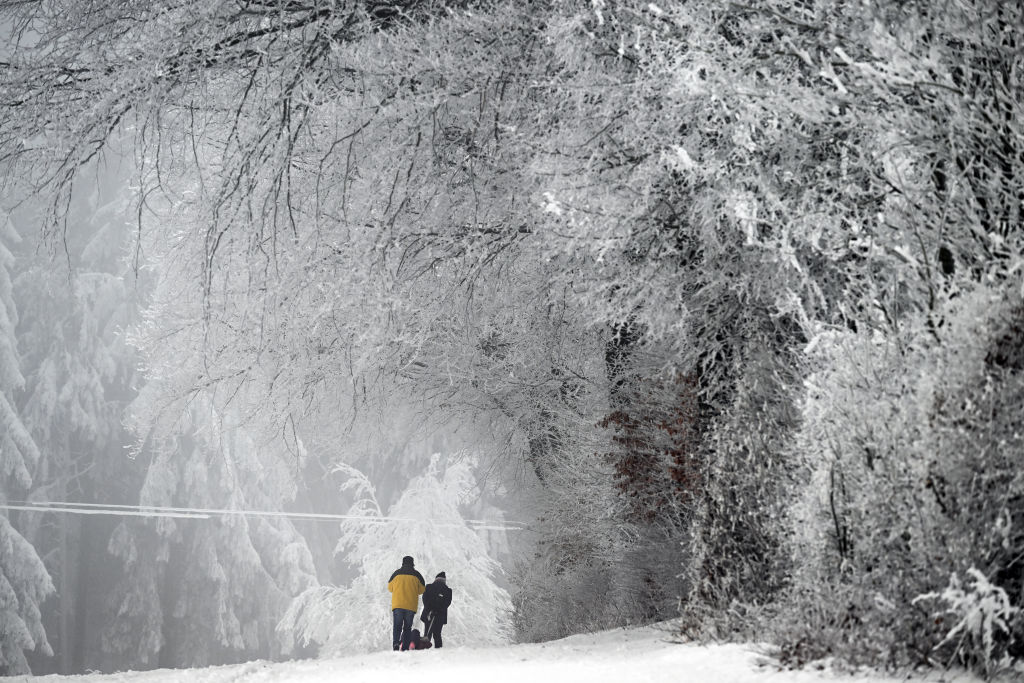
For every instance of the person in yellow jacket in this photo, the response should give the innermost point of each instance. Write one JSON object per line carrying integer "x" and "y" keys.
{"x": 406, "y": 586}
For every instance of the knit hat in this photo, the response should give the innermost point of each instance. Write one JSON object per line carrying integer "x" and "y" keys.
{"x": 407, "y": 561}
{"x": 441, "y": 577}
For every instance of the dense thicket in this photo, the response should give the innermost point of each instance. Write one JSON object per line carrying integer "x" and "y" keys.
{"x": 729, "y": 294}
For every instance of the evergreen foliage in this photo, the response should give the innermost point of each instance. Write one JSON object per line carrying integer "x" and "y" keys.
{"x": 79, "y": 377}
{"x": 24, "y": 581}
{"x": 189, "y": 597}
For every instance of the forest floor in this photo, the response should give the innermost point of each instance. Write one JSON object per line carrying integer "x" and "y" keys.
{"x": 617, "y": 656}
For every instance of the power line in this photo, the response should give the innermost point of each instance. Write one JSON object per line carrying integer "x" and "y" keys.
{"x": 207, "y": 513}
{"x": 38, "y": 507}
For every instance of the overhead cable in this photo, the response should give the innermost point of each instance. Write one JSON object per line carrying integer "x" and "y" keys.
{"x": 207, "y": 513}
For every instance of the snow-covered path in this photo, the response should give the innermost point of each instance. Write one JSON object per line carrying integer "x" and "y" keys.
{"x": 618, "y": 656}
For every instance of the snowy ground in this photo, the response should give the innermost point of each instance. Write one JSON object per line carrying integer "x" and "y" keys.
{"x": 645, "y": 654}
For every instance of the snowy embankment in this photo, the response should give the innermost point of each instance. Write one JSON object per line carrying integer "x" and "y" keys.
{"x": 644, "y": 654}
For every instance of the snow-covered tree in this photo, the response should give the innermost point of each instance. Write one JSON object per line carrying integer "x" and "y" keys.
{"x": 24, "y": 584}
{"x": 24, "y": 581}
{"x": 189, "y": 599}
{"x": 134, "y": 632}
{"x": 906, "y": 488}
{"x": 79, "y": 375}
{"x": 427, "y": 522}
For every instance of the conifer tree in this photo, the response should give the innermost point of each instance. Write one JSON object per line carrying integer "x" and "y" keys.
{"x": 80, "y": 373}
{"x": 24, "y": 581}
{"x": 190, "y": 594}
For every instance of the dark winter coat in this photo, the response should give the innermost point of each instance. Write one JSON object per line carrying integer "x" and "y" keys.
{"x": 406, "y": 586}
{"x": 436, "y": 598}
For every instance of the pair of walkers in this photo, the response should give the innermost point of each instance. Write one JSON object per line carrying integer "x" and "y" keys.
{"x": 406, "y": 586}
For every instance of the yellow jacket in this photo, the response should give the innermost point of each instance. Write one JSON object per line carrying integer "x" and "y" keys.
{"x": 406, "y": 586}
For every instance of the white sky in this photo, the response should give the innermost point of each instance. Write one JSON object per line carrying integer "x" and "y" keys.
{"x": 619, "y": 656}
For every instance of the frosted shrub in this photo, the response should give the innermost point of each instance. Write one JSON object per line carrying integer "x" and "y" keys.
{"x": 841, "y": 622}
{"x": 913, "y": 452}
{"x": 983, "y": 616}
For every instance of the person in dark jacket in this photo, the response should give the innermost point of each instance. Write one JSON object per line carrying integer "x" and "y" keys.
{"x": 436, "y": 599}
{"x": 406, "y": 586}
